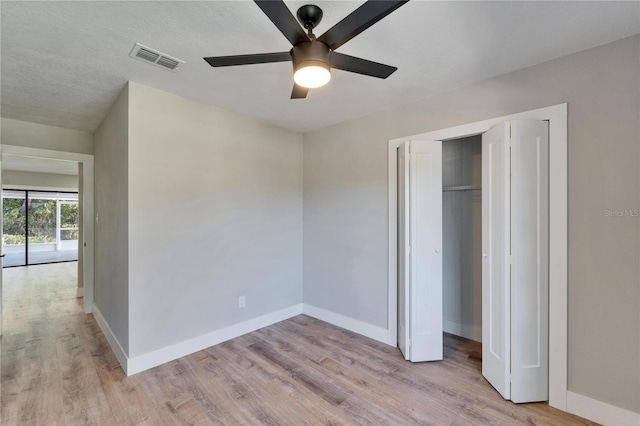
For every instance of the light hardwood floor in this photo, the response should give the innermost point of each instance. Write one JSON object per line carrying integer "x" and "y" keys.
{"x": 57, "y": 368}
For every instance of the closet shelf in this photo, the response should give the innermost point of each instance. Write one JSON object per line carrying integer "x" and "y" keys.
{"x": 461, "y": 188}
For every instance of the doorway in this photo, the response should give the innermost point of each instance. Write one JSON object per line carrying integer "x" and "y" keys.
{"x": 556, "y": 116}
{"x": 84, "y": 164}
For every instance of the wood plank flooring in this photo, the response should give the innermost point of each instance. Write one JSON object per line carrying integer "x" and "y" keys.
{"x": 57, "y": 369}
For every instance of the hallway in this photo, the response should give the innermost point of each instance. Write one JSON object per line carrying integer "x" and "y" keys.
{"x": 50, "y": 349}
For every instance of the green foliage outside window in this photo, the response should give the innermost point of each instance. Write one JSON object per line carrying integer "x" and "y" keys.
{"x": 42, "y": 221}
{"x": 69, "y": 214}
{"x": 13, "y": 221}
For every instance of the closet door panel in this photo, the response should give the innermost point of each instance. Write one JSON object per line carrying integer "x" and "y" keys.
{"x": 495, "y": 259}
{"x": 426, "y": 251}
{"x": 529, "y": 261}
{"x": 403, "y": 250}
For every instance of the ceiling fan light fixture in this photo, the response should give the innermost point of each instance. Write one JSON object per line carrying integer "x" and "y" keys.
{"x": 311, "y": 67}
{"x": 312, "y": 74}
{"x": 313, "y": 57}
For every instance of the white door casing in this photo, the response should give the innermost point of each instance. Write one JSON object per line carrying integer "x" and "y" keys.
{"x": 495, "y": 262}
{"x": 88, "y": 234}
{"x": 529, "y": 260}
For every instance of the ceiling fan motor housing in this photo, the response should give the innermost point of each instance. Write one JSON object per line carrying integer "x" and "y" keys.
{"x": 310, "y": 53}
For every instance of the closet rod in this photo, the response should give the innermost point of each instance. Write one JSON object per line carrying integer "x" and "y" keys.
{"x": 461, "y": 188}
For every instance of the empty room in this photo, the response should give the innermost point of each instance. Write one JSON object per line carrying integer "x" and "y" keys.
{"x": 339, "y": 212}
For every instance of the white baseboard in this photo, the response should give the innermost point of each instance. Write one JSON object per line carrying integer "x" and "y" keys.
{"x": 111, "y": 338}
{"x": 577, "y": 404}
{"x": 169, "y": 353}
{"x": 599, "y": 411}
{"x": 463, "y": 330}
{"x": 376, "y": 333}
{"x": 80, "y": 292}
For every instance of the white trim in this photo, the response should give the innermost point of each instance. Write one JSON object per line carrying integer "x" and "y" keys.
{"x": 88, "y": 233}
{"x": 149, "y": 360}
{"x": 373, "y": 332}
{"x": 87, "y": 162}
{"x": 599, "y": 411}
{"x": 80, "y": 292}
{"x": 558, "y": 160}
{"x": 169, "y": 353}
{"x": 473, "y": 332}
{"x": 111, "y": 338}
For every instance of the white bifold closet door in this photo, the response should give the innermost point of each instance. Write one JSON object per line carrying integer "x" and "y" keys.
{"x": 420, "y": 250}
{"x": 515, "y": 251}
{"x": 403, "y": 249}
{"x": 515, "y": 267}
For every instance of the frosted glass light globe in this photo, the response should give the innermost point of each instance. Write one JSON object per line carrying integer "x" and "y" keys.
{"x": 312, "y": 76}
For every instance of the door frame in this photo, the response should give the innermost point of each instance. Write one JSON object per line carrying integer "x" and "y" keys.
{"x": 558, "y": 226}
{"x": 87, "y": 196}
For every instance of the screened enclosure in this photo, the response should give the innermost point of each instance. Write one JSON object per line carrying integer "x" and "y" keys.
{"x": 39, "y": 227}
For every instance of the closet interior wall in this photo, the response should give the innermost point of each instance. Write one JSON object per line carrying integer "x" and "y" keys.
{"x": 462, "y": 236}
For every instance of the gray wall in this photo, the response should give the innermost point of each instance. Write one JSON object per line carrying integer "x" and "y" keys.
{"x": 111, "y": 276}
{"x": 32, "y": 135}
{"x": 345, "y": 221}
{"x": 43, "y": 181}
{"x": 345, "y": 204}
{"x": 215, "y": 212}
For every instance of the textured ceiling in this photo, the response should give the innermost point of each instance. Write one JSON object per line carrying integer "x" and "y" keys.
{"x": 64, "y": 63}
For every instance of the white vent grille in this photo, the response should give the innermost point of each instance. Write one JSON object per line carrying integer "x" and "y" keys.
{"x": 147, "y": 55}
{"x": 167, "y": 63}
{"x": 156, "y": 58}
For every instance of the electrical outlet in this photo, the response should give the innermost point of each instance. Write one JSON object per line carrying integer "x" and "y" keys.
{"x": 242, "y": 302}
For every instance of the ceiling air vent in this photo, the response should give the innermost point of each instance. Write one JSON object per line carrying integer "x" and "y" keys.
{"x": 156, "y": 58}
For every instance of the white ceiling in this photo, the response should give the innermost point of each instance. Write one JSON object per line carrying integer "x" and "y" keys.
{"x": 38, "y": 165}
{"x": 64, "y": 63}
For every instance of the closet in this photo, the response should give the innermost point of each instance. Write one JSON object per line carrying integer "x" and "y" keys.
{"x": 473, "y": 252}
{"x": 462, "y": 237}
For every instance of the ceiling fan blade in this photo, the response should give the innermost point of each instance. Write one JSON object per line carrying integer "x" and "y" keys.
{"x": 361, "y": 66}
{"x": 358, "y": 21}
{"x": 258, "y": 58}
{"x": 299, "y": 92}
{"x": 282, "y": 18}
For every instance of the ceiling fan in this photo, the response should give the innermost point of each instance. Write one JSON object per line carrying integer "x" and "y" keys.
{"x": 314, "y": 57}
